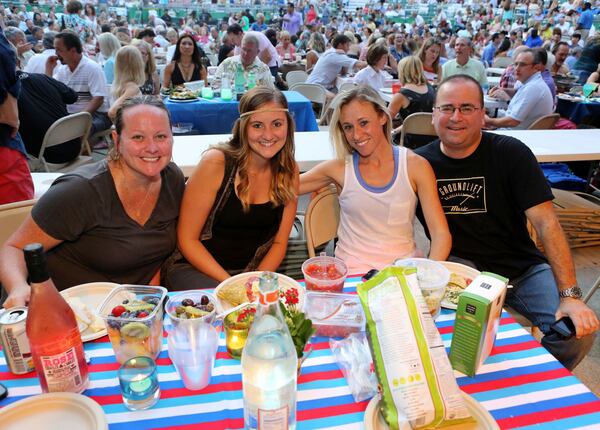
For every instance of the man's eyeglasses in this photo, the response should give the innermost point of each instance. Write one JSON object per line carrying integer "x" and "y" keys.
{"x": 466, "y": 109}
{"x": 522, "y": 64}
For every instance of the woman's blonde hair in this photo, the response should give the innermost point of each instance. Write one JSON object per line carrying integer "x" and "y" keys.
{"x": 109, "y": 44}
{"x": 316, "y": 43}
{"x": 129, "y": 67}
{"x": 283, "y": 164}
{"x": 151, "y": 63}
{"x": 410, "y": 71}
{"x": 363, "y": 93}
{"x": 284, "y": 33}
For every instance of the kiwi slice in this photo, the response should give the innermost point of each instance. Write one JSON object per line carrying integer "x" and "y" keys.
{"x": 135, "y": 329}
{"x": 138, "y": 305}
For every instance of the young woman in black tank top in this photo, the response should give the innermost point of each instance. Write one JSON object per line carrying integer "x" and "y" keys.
{"x": 186, "y": 65}
{"x": 240, "y": 203}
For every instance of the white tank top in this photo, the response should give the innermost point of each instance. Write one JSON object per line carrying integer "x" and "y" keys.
{"x": 376, "y": 223}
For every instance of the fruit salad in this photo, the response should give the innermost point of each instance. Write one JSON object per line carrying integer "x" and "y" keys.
{"x": 134, "y": 321}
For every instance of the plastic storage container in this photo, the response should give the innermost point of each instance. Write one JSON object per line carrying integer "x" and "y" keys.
{"x": 134, "y": 336}
{"x": 324, "y": 274}
{"x": 433, "y": 278}
{"x": 334, "y": 314}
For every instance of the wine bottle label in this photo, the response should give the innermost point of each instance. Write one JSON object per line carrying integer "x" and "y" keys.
{"x": 273, "y": 419}
{"x": 62, "y": 371}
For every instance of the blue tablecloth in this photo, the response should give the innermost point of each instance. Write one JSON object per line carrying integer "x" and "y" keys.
{"x": 577, "y": 111}
{"x": 217, "y": 116}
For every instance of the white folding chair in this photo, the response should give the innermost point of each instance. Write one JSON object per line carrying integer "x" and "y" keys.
{"x": 295, "y": 77}
{"x": 63, "y": 130}
{"x": 315, "y": 93}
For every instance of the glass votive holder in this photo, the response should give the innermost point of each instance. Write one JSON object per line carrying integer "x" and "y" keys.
{"x": 138, "y": 378}
{"x": 237, "y": 326}
{"x": 226, "y": 94}
{"x": 207, "y": 93}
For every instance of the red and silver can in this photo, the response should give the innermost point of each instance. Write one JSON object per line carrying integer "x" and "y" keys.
{"x": 15, "y": 344}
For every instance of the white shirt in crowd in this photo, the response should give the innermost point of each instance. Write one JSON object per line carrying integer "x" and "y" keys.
{"x": 87, "y": 80}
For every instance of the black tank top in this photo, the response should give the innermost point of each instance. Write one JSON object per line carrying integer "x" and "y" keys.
{"x": 236, "y": 235}
{"x": 177, "y": 77}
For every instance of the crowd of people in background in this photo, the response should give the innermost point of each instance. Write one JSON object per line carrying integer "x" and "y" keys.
{"x": 81, "y": 48}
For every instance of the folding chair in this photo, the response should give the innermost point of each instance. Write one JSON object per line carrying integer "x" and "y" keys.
{"x": 63, "y": 130}
{"x": 295, "y": 77}
{"x": 315, "y": 93}
{"x": 12, "y": 216}
{"x": 418, "y": 123}
{"x": 321, "y": 219}
{"x": 546, "y": 122}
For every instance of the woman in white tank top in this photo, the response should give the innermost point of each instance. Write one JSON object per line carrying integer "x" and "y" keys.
{"x": 380, "y": 185}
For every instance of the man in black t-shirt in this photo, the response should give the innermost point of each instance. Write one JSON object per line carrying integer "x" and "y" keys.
{"x": 489, "y": 186}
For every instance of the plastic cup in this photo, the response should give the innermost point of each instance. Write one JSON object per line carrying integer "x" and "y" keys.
{"x": 325, "y": 274}
{"x": 433, "y": 278}
{"x": 396, "y": 86}
{"x": 138, "y": 379}
{"x": 134, "y": 336}
{"x": 193, "y": 354}
{"x": 193, "y": 342}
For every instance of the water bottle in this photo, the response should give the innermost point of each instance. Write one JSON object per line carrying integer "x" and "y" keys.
{"x": 251, "y": 80}
{"x": 269, "y": 364}
{"x": 240, "y": 80}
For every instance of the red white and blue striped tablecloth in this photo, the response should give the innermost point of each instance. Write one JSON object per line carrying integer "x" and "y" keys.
{"x": 521, "y": 384}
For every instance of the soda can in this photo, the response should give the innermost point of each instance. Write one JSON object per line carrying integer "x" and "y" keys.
{"x": 15, "y": 344}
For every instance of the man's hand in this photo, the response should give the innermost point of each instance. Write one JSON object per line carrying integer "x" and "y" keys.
{"x": 24, "y": 47}
{"x": 499, "y": 93}
{"x": 51, "y": 63}
{"x": 584, "y": 318}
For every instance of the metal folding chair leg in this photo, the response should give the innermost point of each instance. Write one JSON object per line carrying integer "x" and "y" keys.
{"x": 592, "y": 290}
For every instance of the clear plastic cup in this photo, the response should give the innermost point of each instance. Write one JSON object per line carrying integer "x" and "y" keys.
{"x": 433, "y": 278}
{"x": 139, "y": 331}
{"x": 193, "y": 338}
{"x": 325, "y": 274}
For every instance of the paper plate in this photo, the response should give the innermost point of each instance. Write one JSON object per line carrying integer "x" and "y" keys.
{"x": 461, "y": 270}
{"x": 183, "y": 100}
{"x": 92, "y": 295}
{"x": 285, "y": 283}
{"x": 54, "y": 411}
{"x": 386, "y": 90}
{"x": 484, "y": 421}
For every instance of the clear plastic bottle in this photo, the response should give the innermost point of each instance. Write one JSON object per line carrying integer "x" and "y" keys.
{"x": 269, "y": 365}
{"x": 239, "y": 80}
{"x": 52, "y": 330}
{"x": 251, "y": 80}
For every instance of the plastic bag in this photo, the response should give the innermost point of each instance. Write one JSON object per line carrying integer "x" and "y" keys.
{"x": 354, "y": 359}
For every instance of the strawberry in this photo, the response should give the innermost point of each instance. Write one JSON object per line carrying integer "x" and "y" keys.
{"x": 118, "y": 310}
{"x": 142, "y": 314}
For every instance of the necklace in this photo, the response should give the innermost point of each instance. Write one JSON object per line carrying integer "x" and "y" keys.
{"x": 130, "y": 200}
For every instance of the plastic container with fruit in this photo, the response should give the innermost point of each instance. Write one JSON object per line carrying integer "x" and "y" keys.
{"x": 334, "y": 314}
{"x": 324, "y": 274}
{"x": 191, "y": 305}
{"x": 134, "y": 320}
{"x": 433, "y": 278}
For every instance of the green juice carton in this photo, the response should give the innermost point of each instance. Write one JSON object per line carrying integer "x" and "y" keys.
{"x": 477, "y": 321}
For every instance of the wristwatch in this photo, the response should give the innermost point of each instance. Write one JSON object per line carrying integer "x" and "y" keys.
{"x": 573, "y": 292}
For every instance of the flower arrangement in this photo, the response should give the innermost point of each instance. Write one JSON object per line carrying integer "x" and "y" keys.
{"x": 301, "y": 328}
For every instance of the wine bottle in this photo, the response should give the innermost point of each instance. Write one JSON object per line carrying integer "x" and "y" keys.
{"x": 52, "y": 330}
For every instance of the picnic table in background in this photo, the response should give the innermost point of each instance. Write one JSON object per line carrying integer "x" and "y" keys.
{"x": 217, "y": 116}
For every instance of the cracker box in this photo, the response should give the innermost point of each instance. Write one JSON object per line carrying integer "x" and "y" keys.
{"x": 477, "y": 320}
